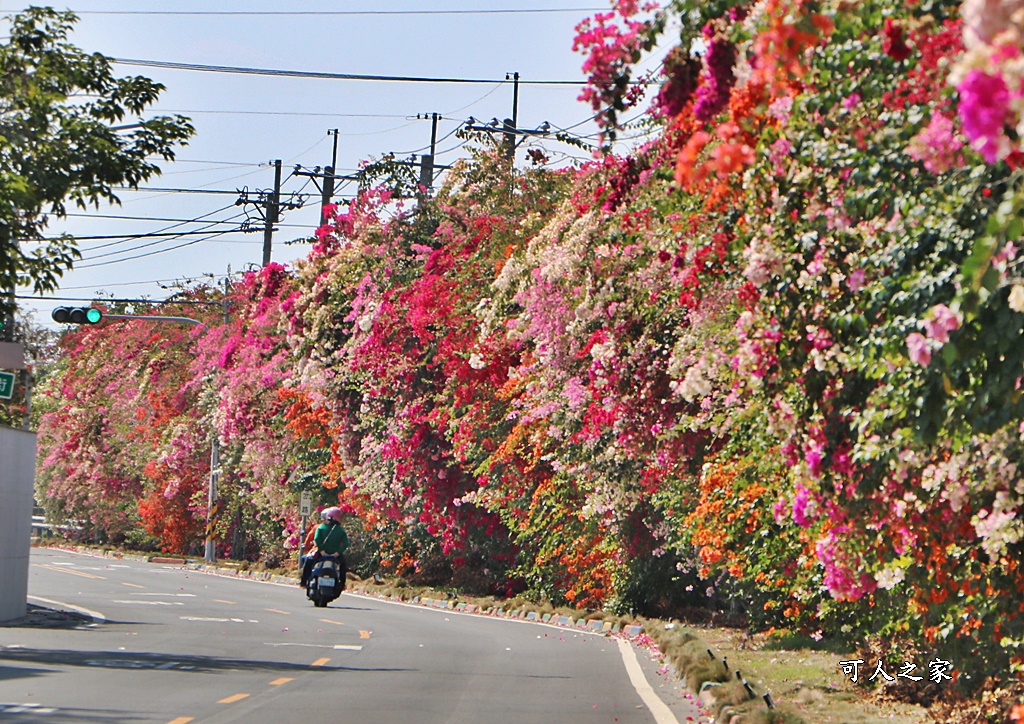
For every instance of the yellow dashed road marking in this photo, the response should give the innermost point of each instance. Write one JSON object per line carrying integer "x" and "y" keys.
{"x": 319, "y": 662}
{"x": 233, "y": 698}
{"x": 277, "y": 610}
{"x": 336, "y": 623}
{"x": 181, "y": 720}
{"x": 278, "y": 682}
{"x": 365, "y": 634}
{"x": 136, "y": 585}
{"x": 221, "y": 600}
{"x": 83, "y": 574}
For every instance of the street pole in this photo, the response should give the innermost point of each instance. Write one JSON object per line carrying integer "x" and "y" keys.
{"x": 270, "y": 217}
{"x": 427, "y": 162}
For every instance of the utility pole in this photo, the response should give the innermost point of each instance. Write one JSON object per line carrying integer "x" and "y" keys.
{"x": 511, "y": 124}
{"x": 327, "y": 192}
{"x": 509, "y": 128}
{"x": 427, "y": 162}
{"x": 269, "y": 206}
{"x": 270, "y": 217}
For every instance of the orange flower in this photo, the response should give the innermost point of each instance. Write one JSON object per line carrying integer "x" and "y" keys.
{"x": 730, "y": 158}
{"x": 688, "y": 171}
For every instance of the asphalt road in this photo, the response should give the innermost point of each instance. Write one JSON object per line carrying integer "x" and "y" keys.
{"x": 172, "y": 646}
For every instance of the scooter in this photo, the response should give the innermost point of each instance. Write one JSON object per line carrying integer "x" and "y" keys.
{"x": 326, "y": 580}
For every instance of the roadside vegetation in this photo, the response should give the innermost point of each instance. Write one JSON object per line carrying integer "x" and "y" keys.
{"x": 766, "y": 368}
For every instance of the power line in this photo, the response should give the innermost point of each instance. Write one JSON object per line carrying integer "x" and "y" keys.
{"x": 176, "y": 191}
{"x": 495, "y": 11}
{"x": 121, "y": 284}
{"x": 158, "y": 218}
{"x": 117, "y": 300}
{"x": 183, "y": 222}
{"x": 324, "y": 75}
{"x": 151, "y": 253}
{"x": 128, "y": 237}
{"x": 289, "y": 113}
{"x": 158, "y": 241}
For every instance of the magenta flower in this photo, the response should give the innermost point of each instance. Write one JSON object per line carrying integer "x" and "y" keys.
{"x": 984, "y": 104}
{"x": 943, "y": 321}
{"x": 917, "y": 346}
{"x": 937, "y": 146}
{"x": 716, "y": 81}
{"x": 803, "y": 506}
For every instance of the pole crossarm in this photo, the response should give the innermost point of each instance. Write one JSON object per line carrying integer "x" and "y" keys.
{"x": 155, "y": 318}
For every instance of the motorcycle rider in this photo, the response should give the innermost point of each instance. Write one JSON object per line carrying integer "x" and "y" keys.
{"x": 329, "y": 539}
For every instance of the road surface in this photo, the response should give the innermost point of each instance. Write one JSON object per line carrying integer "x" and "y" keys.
{"x": 172, "y": 646}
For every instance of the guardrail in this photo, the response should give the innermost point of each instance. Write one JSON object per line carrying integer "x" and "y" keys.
{"x": 42, "y": 529}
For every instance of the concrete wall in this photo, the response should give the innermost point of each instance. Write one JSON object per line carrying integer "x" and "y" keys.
{"x": 17, "y": 478}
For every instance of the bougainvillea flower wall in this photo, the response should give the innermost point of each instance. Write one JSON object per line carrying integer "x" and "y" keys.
{"x": 770, "y": 359}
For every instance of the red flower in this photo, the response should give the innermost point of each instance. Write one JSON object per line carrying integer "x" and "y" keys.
{"x": 894, "y": 44}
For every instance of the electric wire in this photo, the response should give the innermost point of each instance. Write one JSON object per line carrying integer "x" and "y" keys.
{"x": 486, "y": 95}
{"x": 157, "y": 251}
{"x": 289, "y": 113}
{"x": 243, "y": 70}
{"x": 154, "y": 243}
{"x": 427, "y": 147}
{"x": 490, "y": 11}
{"x": 125, "y": 238}
{"x": 120, "y": 284}
{"x": 158, "y": 218}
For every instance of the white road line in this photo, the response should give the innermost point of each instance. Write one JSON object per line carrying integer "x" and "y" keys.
{"x": 662, "y": 714}
{"x": 153, "y": 603}
{"x": 96, "y": 616}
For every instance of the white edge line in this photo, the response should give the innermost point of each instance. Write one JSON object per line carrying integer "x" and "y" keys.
{"x": 96, "y": 616}
{"x": 662, "y": 714}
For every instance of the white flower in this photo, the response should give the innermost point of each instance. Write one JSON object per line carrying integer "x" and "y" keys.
{"x": 695, "y": 384}
{"x": 1017, "y": 298}
{"x": 887, "y": 578}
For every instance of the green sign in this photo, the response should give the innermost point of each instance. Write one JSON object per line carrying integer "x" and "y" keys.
{"x": 6, "y": 385}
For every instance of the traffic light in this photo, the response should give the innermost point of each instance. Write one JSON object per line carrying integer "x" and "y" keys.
{"x": 77, "y": 315}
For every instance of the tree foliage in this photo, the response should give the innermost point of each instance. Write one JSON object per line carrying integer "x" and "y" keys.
{"x": 59, "y": 109}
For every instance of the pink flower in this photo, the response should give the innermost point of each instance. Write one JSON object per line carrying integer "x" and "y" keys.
{"x": 778, "y": 154}
{"x": 937, "y": 146}
{"x": 781, "y": 108}
{"x": 780, "y": 509}
{"x": 917, "y": 346}
{"x": 803, "y": 506}
{"x": 984, "y": 103}
{"x": 851, "y": 101}
{"x": 717, "y": 80}
{"x": 943, "y": 321}
{"x": 856, "y": 280}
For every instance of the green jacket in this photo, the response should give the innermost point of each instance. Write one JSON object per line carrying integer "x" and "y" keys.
{"x": 331, "y": 538}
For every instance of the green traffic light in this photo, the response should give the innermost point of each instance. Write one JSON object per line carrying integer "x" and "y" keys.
{"x": 93, "y": 315}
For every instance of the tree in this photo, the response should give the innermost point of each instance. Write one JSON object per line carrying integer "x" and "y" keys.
{"x": 59, "y": 144}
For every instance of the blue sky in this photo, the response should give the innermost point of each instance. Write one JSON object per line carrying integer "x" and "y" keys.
{"x": 245, "y": 121}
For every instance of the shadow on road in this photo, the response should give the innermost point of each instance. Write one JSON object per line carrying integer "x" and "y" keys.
{"x": 32, "y": 714}
{"x": 58, "y": 658}
{"x": 21, "y": 672}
